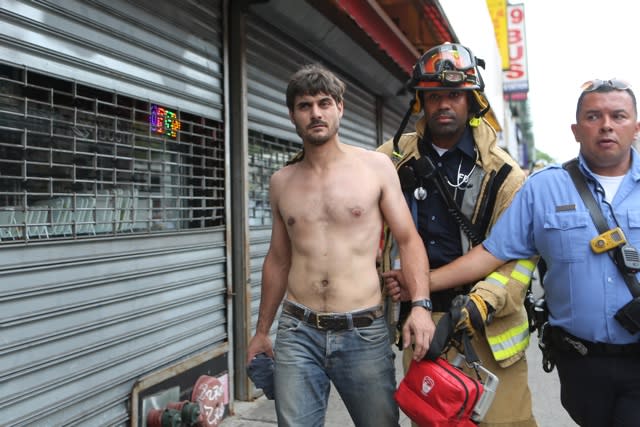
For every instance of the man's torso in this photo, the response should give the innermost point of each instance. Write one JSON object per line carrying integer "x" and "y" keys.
{"x": 334, "y": 222}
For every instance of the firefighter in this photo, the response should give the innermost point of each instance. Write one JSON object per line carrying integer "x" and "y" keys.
{"x": 457, "y": 182}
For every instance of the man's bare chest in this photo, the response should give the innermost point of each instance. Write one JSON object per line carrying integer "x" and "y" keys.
{"x": 336, "y": 205}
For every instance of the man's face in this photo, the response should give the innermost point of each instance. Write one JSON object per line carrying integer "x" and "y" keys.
{"x": 606, "y": 127}
{"x": 447, "y": 112}
{"x": 316, "y": 118}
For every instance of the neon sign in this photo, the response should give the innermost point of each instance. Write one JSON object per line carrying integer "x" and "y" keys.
{"x": 164, "y": 121}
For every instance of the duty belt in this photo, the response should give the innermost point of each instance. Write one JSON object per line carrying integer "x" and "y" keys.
{"x": 333, "y": 321}
{"x": 566, "y": 342}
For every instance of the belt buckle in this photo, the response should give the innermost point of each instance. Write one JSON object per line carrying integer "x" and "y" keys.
{"x": 318, "y": 317}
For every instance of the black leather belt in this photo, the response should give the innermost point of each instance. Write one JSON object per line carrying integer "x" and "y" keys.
{"x": 333, "y": 321}
{"x": 566, "y": 342}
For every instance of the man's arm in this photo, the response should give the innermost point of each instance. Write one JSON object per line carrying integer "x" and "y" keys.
{"x": 413, "y": 257}
{"x": 473, "y": 266}
{"x": 275, "y": 272}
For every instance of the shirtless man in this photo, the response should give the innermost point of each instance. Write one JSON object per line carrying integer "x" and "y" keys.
{"x": 328, "y": 210}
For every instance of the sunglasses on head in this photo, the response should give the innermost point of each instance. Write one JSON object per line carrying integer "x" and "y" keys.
{"x": 595, "y": 84}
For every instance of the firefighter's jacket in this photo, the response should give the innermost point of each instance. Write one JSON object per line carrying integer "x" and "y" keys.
{"x": 508, "y": 331}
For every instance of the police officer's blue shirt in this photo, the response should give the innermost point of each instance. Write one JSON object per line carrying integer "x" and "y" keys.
{"x": 584, "y": 290}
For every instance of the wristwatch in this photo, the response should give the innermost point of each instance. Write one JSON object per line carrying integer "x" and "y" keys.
{"x": 424, "y": 303}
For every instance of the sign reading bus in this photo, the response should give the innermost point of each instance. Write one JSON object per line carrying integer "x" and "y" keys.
{"x": 516, "y": 79}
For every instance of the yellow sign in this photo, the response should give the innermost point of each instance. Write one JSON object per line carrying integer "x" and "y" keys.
{"x": 498, "y": 12}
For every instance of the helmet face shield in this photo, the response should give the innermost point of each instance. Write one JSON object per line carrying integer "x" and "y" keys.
{"x": 447, "y": 66}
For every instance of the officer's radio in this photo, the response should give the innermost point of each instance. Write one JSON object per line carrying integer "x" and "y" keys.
{"x": 608, "y": 240}
{"x": 630, "y": 258}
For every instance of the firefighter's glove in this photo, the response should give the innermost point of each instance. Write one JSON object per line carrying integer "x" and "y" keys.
{"x": 470, "y": 313}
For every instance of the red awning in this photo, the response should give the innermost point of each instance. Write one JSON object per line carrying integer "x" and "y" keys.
{"x": 375, "y": 22}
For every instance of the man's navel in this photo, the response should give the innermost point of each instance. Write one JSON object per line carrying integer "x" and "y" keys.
{"x": 321, "y": 286}
{"x": 357, "y": 212}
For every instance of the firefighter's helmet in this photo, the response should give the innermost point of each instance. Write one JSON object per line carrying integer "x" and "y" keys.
{"x": 448, "y": 66}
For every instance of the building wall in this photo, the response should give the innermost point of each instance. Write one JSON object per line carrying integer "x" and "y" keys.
{"x": 125, "y": 266}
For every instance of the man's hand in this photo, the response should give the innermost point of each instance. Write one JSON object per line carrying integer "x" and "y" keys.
{"x": 394, "y": 283}
{"x": 420, "y": 326}
{"x": 260, "y": 343}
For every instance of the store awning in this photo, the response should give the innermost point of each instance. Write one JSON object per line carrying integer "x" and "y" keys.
{"x": 403, "y": 29}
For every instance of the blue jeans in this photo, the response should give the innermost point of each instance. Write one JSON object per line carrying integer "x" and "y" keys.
{"x": 359, "y": 362}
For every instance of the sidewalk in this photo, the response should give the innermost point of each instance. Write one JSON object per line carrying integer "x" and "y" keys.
{"x": 545, "y": 389}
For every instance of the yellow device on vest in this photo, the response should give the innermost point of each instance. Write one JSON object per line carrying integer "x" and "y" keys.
{"x": 608, "y": 240}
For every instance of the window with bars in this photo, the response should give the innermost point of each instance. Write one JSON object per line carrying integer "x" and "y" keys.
{"x": 78, "y": 161}
{"x": 266, "y": 155}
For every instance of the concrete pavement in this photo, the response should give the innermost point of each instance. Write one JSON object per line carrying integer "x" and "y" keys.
{"x": 544, "y": 387}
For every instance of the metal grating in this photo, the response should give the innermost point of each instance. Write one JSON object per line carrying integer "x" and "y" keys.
{"x": 266, "y": 155}
{"x": 79, "y": 161}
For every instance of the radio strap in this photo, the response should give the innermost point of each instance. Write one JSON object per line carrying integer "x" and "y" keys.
{"x": 600, "y": 222}
{"x": 489, "y": 197}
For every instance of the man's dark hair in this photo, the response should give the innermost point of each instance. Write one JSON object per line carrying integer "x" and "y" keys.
{"x": 311, "y": 80}
{"x": 603, "y": 89}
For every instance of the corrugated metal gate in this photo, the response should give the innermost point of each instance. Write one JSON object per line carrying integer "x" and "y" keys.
{"x": 393, "y": 113}
{"x": 112, "y": 251}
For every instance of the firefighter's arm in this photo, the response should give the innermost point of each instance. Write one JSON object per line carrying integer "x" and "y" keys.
{"x": 470, "y": 311}
{"x": 507, "y": 329}
{"x": 500, "y": 294}
{"x": 505, "y": 288}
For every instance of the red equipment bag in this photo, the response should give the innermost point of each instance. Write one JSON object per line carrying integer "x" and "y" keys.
{"x": 434, "y": 393}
